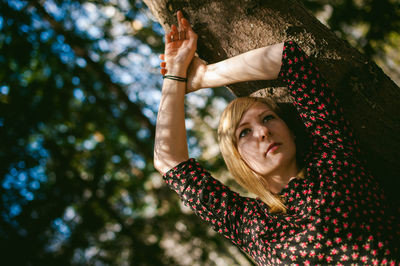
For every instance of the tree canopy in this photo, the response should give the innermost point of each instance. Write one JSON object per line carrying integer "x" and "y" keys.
{"x": 79, "y": 92}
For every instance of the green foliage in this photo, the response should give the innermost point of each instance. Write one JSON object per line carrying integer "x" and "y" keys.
{"x": 366, "y": 24}
{"x": 78, "y": 106}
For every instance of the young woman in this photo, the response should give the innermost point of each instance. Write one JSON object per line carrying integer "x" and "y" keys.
{"x": 319, "y": 208}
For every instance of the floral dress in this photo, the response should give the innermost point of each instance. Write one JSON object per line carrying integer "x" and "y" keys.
{"x": 336, "y": 215}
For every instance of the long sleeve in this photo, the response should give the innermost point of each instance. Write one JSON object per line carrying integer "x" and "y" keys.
{"x": 335, "y": 215}
{"x": 226, "y": 211}
{"x": 352, "y": 203}
{"x": 315, "y": 103}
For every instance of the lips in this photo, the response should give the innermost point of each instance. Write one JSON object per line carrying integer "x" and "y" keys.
{"x": 272, "y": 146}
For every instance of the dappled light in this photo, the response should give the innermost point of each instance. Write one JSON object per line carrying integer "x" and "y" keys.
{"x": 79, "y": 95}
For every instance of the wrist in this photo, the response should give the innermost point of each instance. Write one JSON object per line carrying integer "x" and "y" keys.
{"x": 204, "y": 70}
{"x": 207, "y": 77}
{"x": 176, "y": 78}
{"x": 176, "y": 70}
{"x": 176, "y": 73}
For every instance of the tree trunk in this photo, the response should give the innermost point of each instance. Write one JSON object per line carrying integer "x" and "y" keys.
{"x": 370, "y": 99}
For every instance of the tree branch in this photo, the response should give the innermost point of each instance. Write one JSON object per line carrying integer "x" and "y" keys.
{"x": 371, "y": 100}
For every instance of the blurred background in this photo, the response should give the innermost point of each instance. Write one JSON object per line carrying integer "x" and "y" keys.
{"x": 79, "y": 93}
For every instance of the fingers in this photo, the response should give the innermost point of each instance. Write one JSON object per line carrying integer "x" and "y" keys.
{"x": 169, "y": 37}
{"x": 185, "y": 28}
{"x": 183, "y": 25}
{"x": 177, "y": 33}
{"x": 182, "y": 35}
{"x": 179, "y": 17}
{"x": 163, "y": 65}
{"x": 180, "y": 32}
{"x": 174, "y": 33}
{"x": 191, "y": 35}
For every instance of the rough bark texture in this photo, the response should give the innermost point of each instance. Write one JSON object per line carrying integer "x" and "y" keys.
{"x": 370, "y": 98}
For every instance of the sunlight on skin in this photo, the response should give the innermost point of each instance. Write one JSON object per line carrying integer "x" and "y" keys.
{"x": 267, "y": 145}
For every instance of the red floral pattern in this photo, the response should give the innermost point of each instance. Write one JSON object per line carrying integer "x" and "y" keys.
{"x": 336, "y": 214}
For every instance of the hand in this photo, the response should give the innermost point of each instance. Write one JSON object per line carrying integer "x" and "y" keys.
{"x": 195, "y": 74}
{"x": 180, "y": 47}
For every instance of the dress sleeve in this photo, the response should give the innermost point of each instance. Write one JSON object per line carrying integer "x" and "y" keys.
{"x": 228, "y": 213}
{"x": 315, "y": 102}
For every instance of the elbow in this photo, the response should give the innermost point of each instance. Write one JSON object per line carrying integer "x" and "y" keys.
{"x": 158, "y": 165}
{"x": 163, "y": 164}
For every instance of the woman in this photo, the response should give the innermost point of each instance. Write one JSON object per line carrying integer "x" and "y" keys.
{"x": 321, "y": 208}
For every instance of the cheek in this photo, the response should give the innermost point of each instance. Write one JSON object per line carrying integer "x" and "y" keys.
{"x": 247, "y": 152}
{"x": 242, "y": 149}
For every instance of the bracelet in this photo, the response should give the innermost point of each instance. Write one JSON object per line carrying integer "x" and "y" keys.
{"x": 175, "y": 78}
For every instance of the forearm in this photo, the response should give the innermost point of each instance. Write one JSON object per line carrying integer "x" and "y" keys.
{"x": 170, "y": 146}
{"x": 259, "y": 64}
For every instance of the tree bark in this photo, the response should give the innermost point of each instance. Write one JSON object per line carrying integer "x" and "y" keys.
{"x": 370, "y": 98}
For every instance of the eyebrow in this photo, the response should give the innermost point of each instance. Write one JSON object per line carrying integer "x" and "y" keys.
{"x": 246, "y": 123}
{"x": 237, "y": 130}
{"x": 242, "y": 125}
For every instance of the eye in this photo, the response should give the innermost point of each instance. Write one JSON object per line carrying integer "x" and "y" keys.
{"x": 267, "y": 118}
{"x": 244, "y": 133}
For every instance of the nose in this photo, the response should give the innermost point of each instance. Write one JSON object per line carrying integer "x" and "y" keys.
{"x": 263, "y": 132}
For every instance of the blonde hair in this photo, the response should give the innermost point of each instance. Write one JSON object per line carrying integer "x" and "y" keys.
{"x": 242, "y": 173}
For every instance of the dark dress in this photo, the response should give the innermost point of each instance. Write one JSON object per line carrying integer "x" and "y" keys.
{"x": 337, "y": 214}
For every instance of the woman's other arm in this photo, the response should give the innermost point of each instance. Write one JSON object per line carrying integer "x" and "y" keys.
{"x": 170, "y": 146}
{"x": 258, "y": 64}
{"x": 316, "y": 103}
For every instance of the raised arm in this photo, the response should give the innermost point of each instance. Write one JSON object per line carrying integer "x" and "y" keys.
{"x": 258, "y": 64}
{"x": 170, "y": 146}
{"x": 315, "y": 102}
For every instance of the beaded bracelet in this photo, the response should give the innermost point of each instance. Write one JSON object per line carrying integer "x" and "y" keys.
{"x": 175, "y": 78}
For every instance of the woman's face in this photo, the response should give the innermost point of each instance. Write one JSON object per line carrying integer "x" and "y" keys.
{"x": 265, "y": 142}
